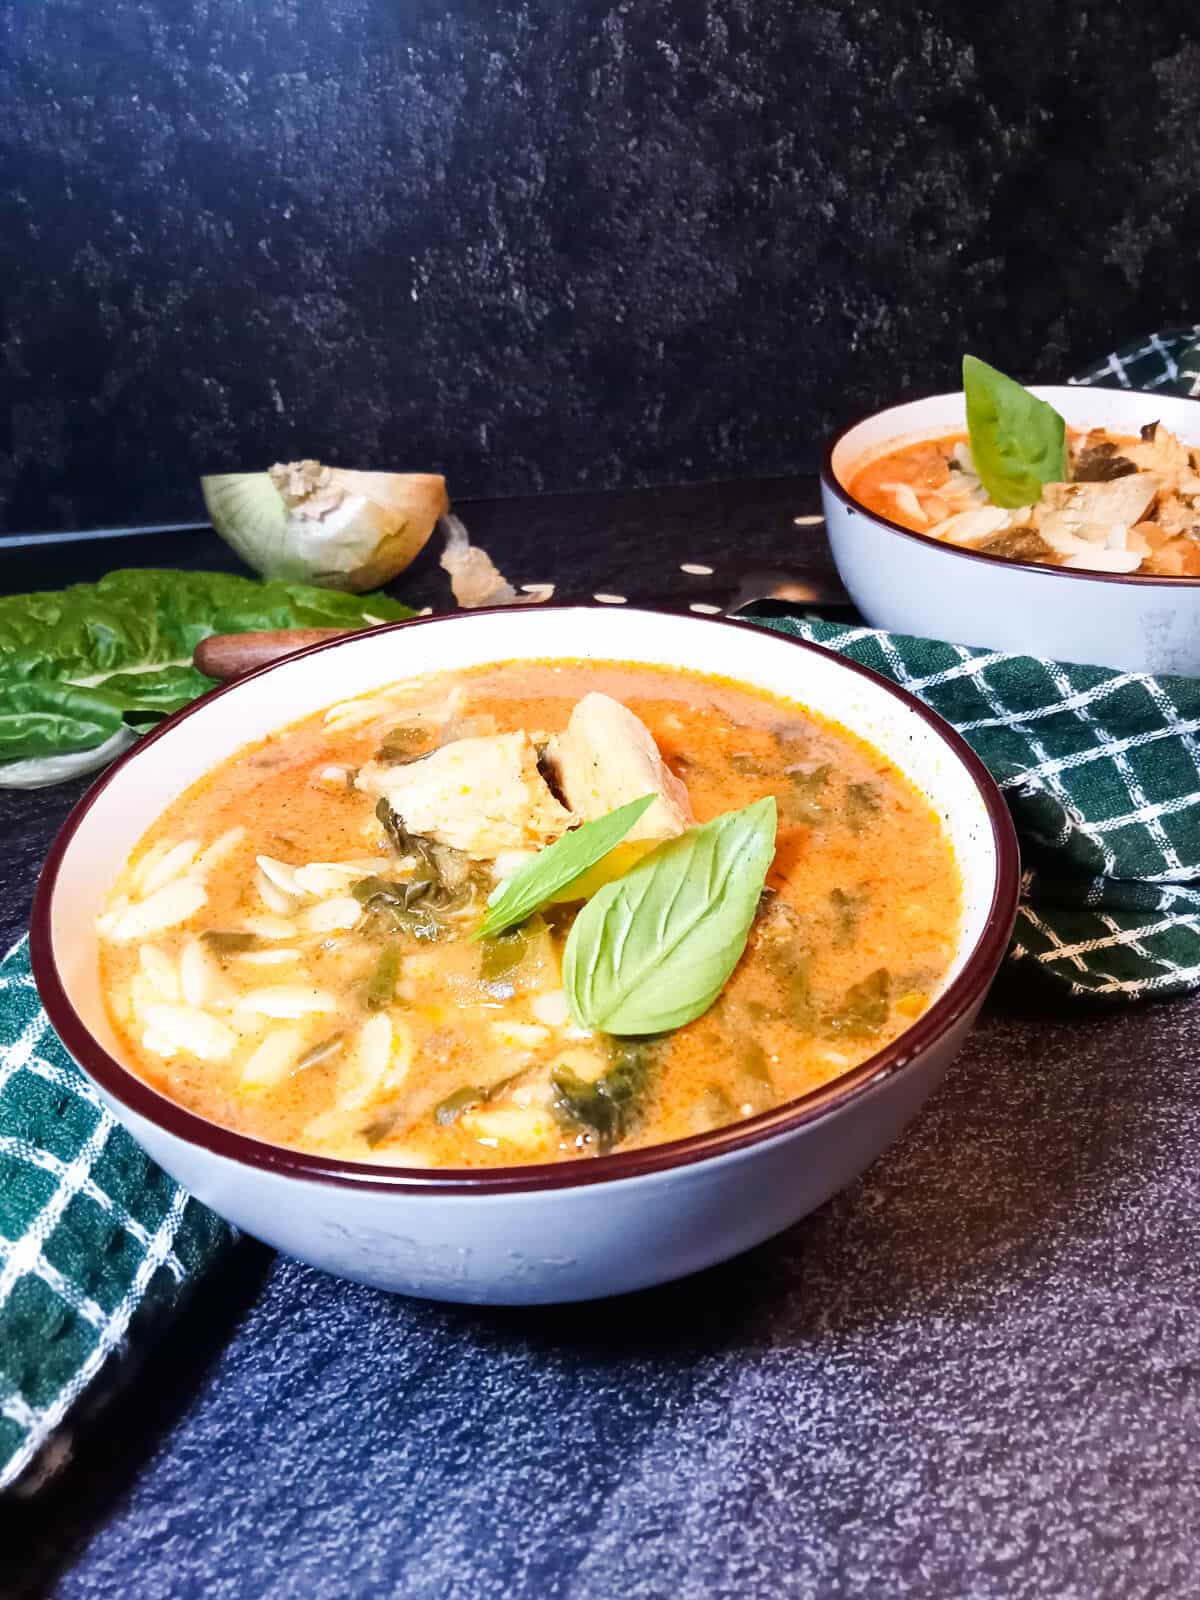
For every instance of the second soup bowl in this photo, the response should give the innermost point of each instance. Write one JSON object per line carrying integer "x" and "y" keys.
{"x": 907, "y": 582}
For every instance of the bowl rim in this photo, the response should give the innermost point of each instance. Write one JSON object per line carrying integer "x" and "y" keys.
{"x": 122, "y": 1084}
{"x": 831, "y": 482}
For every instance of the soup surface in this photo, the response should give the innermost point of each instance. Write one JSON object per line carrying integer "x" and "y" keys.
{"x": 289, "y": 950}
{"x": 1131, "y": 505}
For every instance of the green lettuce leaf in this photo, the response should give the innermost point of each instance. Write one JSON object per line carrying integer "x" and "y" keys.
{"x": 78, "y": 664}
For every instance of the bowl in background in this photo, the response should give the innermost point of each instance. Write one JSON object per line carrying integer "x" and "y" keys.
{"x": 907, "y": 582}
{"x": 576, "y": 1229}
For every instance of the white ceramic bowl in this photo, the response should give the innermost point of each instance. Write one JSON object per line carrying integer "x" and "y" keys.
{"x": 909, "y": 583}
{"x": 573, "y": 1230}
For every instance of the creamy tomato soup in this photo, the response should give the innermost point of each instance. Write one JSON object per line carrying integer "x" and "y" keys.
{"x": 292, "y": 950}
{"x": 1129, "y": 505}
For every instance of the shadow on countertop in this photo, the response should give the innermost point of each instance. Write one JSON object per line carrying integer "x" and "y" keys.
{"x": 47, "y": 1529}
{"x": 981, "y": 1195}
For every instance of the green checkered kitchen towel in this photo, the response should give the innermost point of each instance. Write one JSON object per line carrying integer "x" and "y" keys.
{"x": 96, "y": 1242}
{"x": 1101, "y": 770}
{"x": 1165, "y": 363}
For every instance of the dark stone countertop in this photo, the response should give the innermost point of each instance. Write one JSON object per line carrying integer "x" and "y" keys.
{"x": 973, "y": 1373}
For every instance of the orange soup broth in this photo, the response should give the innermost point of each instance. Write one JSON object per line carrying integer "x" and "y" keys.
{"x": 923, "y": 465}
{"x": 853, "y": 892}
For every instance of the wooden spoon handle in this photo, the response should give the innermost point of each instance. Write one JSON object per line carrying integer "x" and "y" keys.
{"x": 229, "y": 655}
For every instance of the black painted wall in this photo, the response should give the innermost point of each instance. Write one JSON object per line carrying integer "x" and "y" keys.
{"x": 564, "y": 243}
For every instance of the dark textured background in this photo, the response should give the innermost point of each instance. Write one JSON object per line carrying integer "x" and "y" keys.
{"x": 562, "y": 246}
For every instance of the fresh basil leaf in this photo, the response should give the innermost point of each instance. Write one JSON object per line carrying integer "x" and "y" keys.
{"x": 558, "y": 865}
{"x": 654, "y": 949}
{"x": 1018, "y": 442}
{"x": 77, "y": 664}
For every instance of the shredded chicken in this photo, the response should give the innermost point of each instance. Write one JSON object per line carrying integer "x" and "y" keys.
{"x": 484, "y": 796}
{"x": 1129, "y": 506}
{"x": 606, "y": 757}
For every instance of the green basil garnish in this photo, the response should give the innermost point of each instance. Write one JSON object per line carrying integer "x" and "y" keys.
{"x": 654, "y": 949}
{"x": 557, "y": 866}
{"x": 1018, "y": 442}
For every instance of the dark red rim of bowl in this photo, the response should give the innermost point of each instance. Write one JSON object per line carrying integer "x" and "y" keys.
{"x": 139, "y": 1097}
{"x": 830, "y": 481}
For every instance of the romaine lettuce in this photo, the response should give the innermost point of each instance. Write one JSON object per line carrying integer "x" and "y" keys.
{"x": 78, "y": 666}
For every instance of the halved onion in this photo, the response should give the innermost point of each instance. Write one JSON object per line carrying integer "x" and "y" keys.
{"x": 325, "y": 525}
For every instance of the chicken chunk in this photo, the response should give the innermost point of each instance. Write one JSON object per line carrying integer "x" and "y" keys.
{"x": 1122, "y": 500}
{"x": 1172, "y": 463}
{"x": 1176, "y": 515}
{"x": 1088, "y": 523}
{"x": 976, "y": 527}
{"x": 483, "y": 796}
{"x": 606, "y": 757}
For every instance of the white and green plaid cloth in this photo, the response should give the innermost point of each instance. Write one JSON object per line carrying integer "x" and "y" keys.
{"x": 1101, "y": 770}
{"x": 96, "y": 1242}
{"x": 1165, "y": 363}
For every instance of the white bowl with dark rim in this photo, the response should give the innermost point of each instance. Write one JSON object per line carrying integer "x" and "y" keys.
{"x": 577, "y": 1229}
{"x": 908, "y": 582}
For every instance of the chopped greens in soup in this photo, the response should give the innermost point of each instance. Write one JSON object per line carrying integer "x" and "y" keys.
{"x": 526, "y": 913}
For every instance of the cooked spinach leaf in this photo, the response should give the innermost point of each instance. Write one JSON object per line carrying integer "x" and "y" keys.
{"x": 379, "y": 1128}
{"x": 381, "y": 985}
{"x": 502, "y": 954}
{"x": 847, "y": 906}
{"x": 407, "y": 895}
{"x": 865, "y": 1007}
{"x": 654, "y": 949}
{"x": 1018, "y": 544}
{"x": 391, "y": 907}
{"x": 605, "y": 1109}
{"x": 1018, "y": 442}
{"x": 320, "y": 1052}
{"x": 222, "y": 943}
{"x": 1100, "y": 463}
{"x": 444, "y": 874}
{"x": 806, "y": 800}
{"x": 752, "y": 1059}
{"x": 801, "y": 1006}
{"x": 449, "y": 1110}
{"x": 558, "y": 866}
{"x": 716, "y": 1108}
{"x": 402, "y": 745}
{"x": 862, "y": 805}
